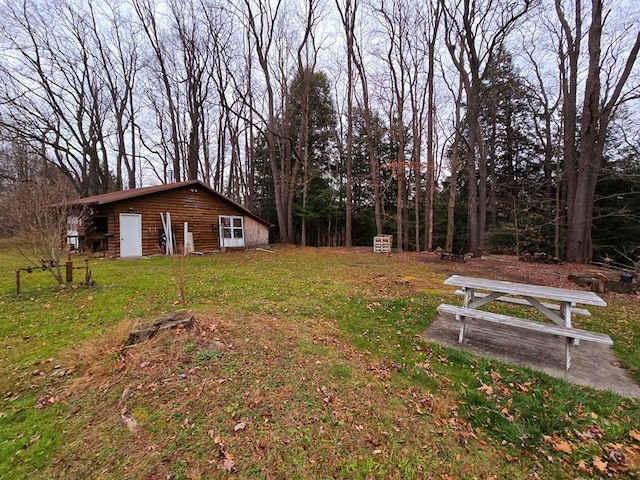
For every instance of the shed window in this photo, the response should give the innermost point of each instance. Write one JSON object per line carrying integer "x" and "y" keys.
{"x": 231, "y": 231}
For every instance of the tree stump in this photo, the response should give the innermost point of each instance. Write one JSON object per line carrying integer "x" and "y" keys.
{"x": 598, "y": 285}
{"x": 599, "y": 282}
{"x": 179, "y": 319}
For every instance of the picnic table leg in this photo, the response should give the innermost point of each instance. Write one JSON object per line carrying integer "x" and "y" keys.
{"x": 462, "y": 325}
{"x": 468, "y": 299}
{"x": 567, "y": 350}
{"x": 565, "y": 312}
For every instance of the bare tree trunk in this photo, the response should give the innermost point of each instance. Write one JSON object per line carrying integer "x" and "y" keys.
{"x": 544, "y": 107}
{"x": 595, "y": 116}
{"x": 262, "y": 28}
{"x": 417, "y": 95}
{"x": 306, "y": 77}
{"x": 431, "y": 126}
{"x": 146, "y": 13}
{"x": 479, "y": 33}
{"x": 348, "y": 18}
{"x": 455, "y": 153}
{"x": 395, "y": 24}
{"x": 371, "y": 135}
{"x": 573, "y": 38}
{"x": 372, "y": 151}
{"x": 307, "y": 53}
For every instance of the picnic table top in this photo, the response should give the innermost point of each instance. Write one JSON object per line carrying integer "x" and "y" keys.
{"x": 527, "y": 290}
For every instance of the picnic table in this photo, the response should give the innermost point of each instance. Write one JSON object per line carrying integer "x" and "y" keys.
{"x": 556, "y": 304}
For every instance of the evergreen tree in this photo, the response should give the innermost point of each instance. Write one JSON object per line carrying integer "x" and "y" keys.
{"x": 306, "y": 151}
{"x": 516, "y": 201}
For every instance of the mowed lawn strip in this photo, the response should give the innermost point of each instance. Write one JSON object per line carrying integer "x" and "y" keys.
{"x": 306, "y": 363}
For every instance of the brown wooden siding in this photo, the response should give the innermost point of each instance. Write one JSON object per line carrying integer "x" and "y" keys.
{"x": 197, "y": 206}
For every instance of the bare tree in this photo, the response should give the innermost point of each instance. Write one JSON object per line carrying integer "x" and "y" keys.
{"x": 457, "y": 136}
{"x": 38, "y": 214}
{"x": 545, "y": 97}
{"x": 307, "y": 55}
{"x": 281, "y": 52}
{"x": 17, "y": 162}
{"x": 118, "y": 69}
{"x": 261, "y": 20}
{"x": 371, "y": 127}
{"x": 229, "y": 69}
{"x": 433, "y": 14}
{"x": 348, "y": 14}
{"x": 417, "y": 86}
{"x": 53, "y": 86}
{"x": 569, "y": 46}
{"x": 168, "y": 145}
{"x": 479, "y": 29}
{"x": 604, "y": 91}
{"x": 196, "y": 52}
{"x": 394, "y": 21}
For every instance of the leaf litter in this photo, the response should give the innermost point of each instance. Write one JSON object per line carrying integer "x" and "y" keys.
{"x": 265, "y": 377}
{"x": 266, "y": 380}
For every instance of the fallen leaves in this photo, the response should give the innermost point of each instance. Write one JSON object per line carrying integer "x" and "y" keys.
{"x": 600, "y": 464}
{"x": 584, "y": 434}
{"x": 228, "y": 460}
{"x": 558, "y": 444}
{"x": 422, "y": 401}
{"x": 46, "y": 400}
{"x": 591, "y": 433}
{"x": 488, "y": 389}
{"x": 228, "y": 465}
{"x": 617, "y": 458}
{"x": 583, "y": 467}
{"x": 524, "y": 387}
{"x": 505, "y": 413}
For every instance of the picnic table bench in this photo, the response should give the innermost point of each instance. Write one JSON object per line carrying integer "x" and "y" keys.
{"x": 563, "y": 303}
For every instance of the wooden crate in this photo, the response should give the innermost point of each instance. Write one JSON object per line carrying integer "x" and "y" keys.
{"x": 382, "y": 243}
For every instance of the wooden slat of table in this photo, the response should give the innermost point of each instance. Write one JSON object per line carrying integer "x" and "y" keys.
{"x": 523, "y": 289}
{"x": 526, "y": 324}
{"x": 521, "y": 301}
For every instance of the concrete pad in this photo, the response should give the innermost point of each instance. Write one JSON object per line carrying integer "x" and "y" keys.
{"x": 593, "y": 364}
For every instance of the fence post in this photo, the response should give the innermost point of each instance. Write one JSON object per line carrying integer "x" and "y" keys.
{"x": 18, "y": 281}
{"x": 69, "y": 271}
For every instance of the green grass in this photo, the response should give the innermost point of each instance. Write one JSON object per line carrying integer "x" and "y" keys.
{"x": 323, "y": 361}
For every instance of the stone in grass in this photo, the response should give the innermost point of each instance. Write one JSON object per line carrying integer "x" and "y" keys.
{"x": 179, "y": 319}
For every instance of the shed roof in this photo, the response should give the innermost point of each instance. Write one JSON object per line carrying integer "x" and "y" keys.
{"x": 118, "y": 196}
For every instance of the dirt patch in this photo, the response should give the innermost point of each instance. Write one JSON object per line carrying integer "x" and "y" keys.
{"x": 504, "y": 267}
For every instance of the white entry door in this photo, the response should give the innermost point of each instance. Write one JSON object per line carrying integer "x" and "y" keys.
{"x": 130, "y": 235}
{"x": 231, "y": 231}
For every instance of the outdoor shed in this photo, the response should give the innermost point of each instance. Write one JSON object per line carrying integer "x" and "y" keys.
{"x": 136, "y": 222}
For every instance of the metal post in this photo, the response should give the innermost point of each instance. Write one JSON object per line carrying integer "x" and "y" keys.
{"x": 18, "y": 281}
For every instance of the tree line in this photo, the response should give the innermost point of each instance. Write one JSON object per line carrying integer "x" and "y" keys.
{"x": 473, "y": 125}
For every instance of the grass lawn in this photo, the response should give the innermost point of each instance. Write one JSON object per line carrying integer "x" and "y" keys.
{"x": 304, "y": 363}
